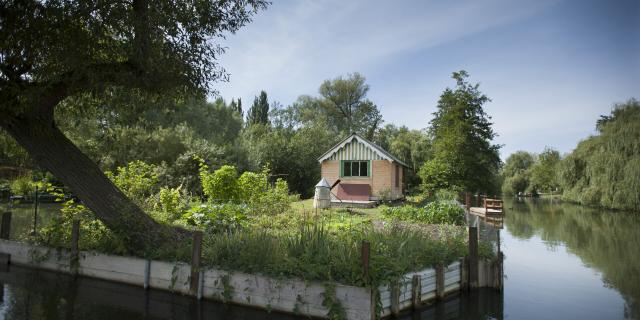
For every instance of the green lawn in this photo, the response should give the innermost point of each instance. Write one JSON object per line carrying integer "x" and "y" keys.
{"x": 372, "y": 213}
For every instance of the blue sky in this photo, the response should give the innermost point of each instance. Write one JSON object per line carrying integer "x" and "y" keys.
{"x": 551, "y": 67}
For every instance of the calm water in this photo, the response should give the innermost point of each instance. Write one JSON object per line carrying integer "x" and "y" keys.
{"x": 570, "y": 262}
{"x": 32, "y": 294}
{"x": 562, "y": 262}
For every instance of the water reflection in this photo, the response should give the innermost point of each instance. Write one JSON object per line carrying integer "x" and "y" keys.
{"x": 478, "y": 304}
{"x": 563, "y": 261}
{"x": 36, "y": 294}
{"x": 599, "y": 251}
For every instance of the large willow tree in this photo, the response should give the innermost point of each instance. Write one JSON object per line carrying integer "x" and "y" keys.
{"x": 60, "y": 52}
{"x": 604, "y": 170}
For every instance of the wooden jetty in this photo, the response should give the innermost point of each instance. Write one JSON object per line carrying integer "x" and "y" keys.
{"x": 492, "y": 207}
{"x": 492, "y": 211}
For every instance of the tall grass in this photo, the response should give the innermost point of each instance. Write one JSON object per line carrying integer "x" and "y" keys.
{"x": 314, "y": 253}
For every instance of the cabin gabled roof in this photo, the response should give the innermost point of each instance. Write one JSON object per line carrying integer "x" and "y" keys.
{"x": 374, "y": 147}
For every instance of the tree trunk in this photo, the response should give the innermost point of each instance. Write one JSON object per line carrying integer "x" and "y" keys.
{"x": 53, "y": 151}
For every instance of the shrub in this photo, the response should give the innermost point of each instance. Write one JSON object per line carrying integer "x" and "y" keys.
{"x": 137, "y": 180}
{"x": 251, "y": 188}
{"x": 273, "y": 200}
{"x": 252, "y": 185}
{"x": 384, "y": 195}
{"x": 446, "y": 195}
{"x": 221, "y": 185}
{"x": 442, "y": 212}
{"x": 94, "y": 235}
{"x": 436, "y": 212}
{"x": 217, "y": 218}
{"x": 169, "y": 206}
{"x": 22, "y": 186}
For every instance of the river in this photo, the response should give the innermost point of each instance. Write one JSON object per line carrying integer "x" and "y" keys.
{"x": 562, "y": 261}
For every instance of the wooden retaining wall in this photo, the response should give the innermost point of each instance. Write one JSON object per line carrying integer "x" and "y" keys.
{"x": 286, "y": 295}
{"x": 417, "y": 288}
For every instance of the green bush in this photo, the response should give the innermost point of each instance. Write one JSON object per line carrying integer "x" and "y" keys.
{"x": 138, "y": 180}
{"x": 442, "y": 212}
{"x": 22, "y": 186}
{"x": 251, "y": 188}
{"x": 262, "y": 198}
{"x": 446, "y": 195}
{"x": 252, "y": 185}
{"x": 217, "y": 218}
{"x": 435, "y": 212}
{"x": 169, "y": 206}
{"x": 221, "y": 185}
{"x": 94, "y": 235}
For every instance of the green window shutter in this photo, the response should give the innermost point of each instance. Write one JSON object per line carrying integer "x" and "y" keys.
{"x": 369, "y": 168}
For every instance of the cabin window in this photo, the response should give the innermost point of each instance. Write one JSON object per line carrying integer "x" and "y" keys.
{"x": 355, "y": 168}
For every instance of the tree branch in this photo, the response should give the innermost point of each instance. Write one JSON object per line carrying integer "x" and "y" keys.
{"x": 93, "y": 77}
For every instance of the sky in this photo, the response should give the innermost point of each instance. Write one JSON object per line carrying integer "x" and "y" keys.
{"x": 550, "y": 67}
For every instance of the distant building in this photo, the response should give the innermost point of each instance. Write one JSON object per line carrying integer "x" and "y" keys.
{"x": 365, "y": 170}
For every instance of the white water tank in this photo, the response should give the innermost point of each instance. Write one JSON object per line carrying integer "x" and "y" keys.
{"x": 322, "y": 197}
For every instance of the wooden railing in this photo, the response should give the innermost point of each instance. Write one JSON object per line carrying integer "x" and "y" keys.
{"x": 494, "y": 204}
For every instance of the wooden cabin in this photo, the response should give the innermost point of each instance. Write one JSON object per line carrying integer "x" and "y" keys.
{"x": 365, "y": 170}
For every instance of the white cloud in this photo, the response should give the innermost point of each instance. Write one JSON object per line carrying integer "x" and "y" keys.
{"x": 293, "y": 46}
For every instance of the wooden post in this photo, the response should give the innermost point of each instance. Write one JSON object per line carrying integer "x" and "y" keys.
{"x": 5, "y": 228}
{"x": 395, "y": 298}
{"x": 5, "y": 232}
{"x": 473, "y": 257}
{"x": 196, "y": 255}
{"x": 416, "y": 291}
{"x": 365, "y": 254}
{"x": 200, "y": 285}
{"x": 35, "y": 214}
{"x": 373, "y": 293}
{"x": 467, "y": 200}
{"x": 498, "y": 272}
{"x": 75, "y": 238}
{"x": 147, "y": 274}
{"x": 374, "y": 300}
{"x": 464, "y": 274}
{"x": 439, "y": 281}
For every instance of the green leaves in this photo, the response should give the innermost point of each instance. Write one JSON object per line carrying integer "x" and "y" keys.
{"x": 259, "y": 111}
{"x": 221, "y": 185}
{"x": 159, "y": 46}
{"x": 435, "y": 212}
{"x": 604, "y": 170}
{"x": 344, "y": 102}
{"x": 169, "y": 204}
{"x": 137, "y": 180}
{"x": 251, "y": 188}
{"x": 462, "y": 134}
{"x": 217, "y": 218}
{"x": 525, "y": 172}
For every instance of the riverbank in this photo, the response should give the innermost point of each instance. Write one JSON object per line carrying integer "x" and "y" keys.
{"x": 318, "y": 251}
{"x": 328, "y": 299}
